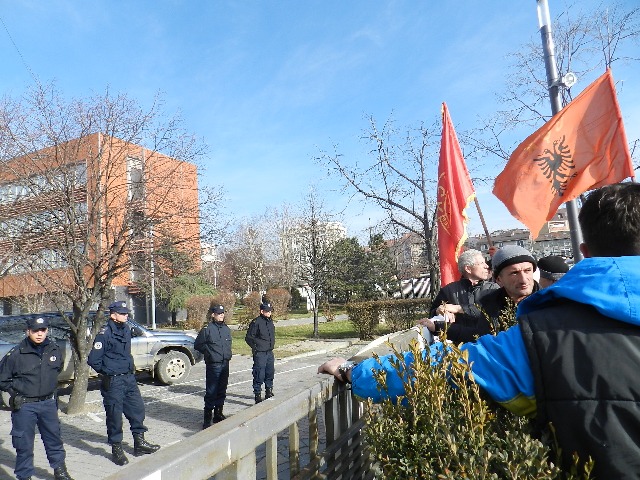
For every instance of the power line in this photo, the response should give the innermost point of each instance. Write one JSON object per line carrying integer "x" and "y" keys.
{"x": 26, "y": 65}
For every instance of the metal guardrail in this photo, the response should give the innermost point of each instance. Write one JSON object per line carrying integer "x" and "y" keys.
{"x": 227, "y": 450}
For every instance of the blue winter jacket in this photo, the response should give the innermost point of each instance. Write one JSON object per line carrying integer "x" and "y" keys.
{"x": 500, "y": 363}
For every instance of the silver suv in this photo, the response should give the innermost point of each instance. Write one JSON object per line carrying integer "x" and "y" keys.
{"x": 167, "y": 354}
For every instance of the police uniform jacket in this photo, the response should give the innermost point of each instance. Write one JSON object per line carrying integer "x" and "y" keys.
{"x": 111, "y": 352}
{"x": 30, "y": 372}
{"x": 214, "y": 341}
{"x": 261, "y": 335}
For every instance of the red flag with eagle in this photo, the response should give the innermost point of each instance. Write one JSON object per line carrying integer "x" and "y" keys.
{"x": 581, "y": 148}
{"x": 455, "y": 193}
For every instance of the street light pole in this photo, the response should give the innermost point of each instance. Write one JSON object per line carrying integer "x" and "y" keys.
{"x": 553, "y": 84}
{"x": 153, "y": 286}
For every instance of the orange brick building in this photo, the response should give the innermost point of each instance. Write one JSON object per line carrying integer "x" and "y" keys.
{"x": 99, "y": 198}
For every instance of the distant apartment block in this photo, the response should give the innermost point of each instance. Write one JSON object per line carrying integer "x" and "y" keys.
{"x": 554, "y": 238}
{"x": 408, "y": 255}
{"x": 128, "y": 182}
{"x": 296, "y": 244}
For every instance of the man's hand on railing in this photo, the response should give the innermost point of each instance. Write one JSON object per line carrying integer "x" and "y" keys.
{"x": 331, "y": 367}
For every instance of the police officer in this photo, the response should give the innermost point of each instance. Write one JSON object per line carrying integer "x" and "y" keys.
{"x": 261, "y": 337}
{"x": 111, "y": 358}
{"x": 214, "y": 341}
{"x": 29, "y": 372}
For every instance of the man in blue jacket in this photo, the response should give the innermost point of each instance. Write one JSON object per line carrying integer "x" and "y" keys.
{"x": 572, "y": 360}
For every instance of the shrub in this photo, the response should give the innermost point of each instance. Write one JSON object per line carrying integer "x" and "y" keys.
{"x": 279, "y": 299}
{"x": 443, "y": 428}
{"x": 297, "y": 301}
{"x": 399, "y": 314}
{"x": 327, "y": 311}
{"x": 197, "y": 307}
{"x": 251, "y": 309}
{"x": 228, "y": 301}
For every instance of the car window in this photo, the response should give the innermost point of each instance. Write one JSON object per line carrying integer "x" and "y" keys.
{"x": 13, "y": 329}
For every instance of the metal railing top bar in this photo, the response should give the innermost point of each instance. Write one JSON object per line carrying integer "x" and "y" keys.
{"x": 212, "y": 450}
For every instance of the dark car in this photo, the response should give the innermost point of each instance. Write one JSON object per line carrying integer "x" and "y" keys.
{"x": 167, "y": 354}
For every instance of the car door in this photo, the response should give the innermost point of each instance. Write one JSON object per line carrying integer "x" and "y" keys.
{"x": 142, "y": 343}
{"x": 60, "y": 331}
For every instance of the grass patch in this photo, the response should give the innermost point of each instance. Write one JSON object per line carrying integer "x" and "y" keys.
{"x": 295, "y": 333}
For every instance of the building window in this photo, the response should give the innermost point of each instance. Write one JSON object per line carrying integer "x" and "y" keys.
{"x": 135, "y": 179}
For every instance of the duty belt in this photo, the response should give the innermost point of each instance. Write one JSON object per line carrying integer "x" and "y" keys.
{"x": 120, "y": 374}
{"x": 38, "y": 399}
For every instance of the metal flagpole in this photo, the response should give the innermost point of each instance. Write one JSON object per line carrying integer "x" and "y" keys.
{"x": 554, "y": 83}
{"x": 484, "y": 225}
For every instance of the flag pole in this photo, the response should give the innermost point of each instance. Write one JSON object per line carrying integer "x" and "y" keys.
{"x": 554, "y": 83}
{"x": 484, "y": 224}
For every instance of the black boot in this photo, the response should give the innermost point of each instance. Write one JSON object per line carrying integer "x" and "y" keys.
{"x": 258, "y": 397}
{"x": 60, "y": 473}
{"x": 141, "y": 446}
{"x": 117, "y": 454}
{"x": 208, "y": 415}
{"x": 268, "y": 393}
{"x": 217, "y": 414}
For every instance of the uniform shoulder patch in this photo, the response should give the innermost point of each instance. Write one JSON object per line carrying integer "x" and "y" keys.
{"x": 97, "y": 345}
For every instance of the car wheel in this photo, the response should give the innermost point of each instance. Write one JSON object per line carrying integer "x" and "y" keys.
{"x": 174, "y": 367}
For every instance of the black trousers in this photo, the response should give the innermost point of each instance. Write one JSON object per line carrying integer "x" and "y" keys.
{"x": 217, "y": 381}
{"x": 122, "y": 397}
{"x": 23, "y": 432}
{"x": 263, "y": 370}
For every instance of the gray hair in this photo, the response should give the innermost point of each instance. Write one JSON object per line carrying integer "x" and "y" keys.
{"x": 468, "y": 259}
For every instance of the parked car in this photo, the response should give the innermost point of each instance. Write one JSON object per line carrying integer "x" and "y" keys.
{"x": 168, "y": 355}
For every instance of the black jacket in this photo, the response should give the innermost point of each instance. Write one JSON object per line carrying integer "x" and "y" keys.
{"x": 585, "y": 370}
{"x": 261, "y": 335}
{"x": 492, "y": 303}
{"x": 30, "y": 373}
{"x": 111, "y": 352}
{"x": 463, "y": 293}
{"x": 214, "y": 341}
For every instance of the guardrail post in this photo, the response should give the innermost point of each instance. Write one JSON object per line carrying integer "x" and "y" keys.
{"x": 243, "y": 468}
{"x": 272, "y": 458}
{"x": 294, "y": 448}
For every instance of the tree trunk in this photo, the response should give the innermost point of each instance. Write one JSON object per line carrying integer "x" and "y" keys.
{"x": 79, "y": 390}
{"x": 316, "y": 332}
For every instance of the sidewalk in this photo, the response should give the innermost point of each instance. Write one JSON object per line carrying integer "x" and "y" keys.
{"x": 172, "y": 412}
{"x": 286, "y": 322}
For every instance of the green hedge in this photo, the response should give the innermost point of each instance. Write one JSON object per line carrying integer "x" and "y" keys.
{"x": 444, "y": 428}
{"x": 397, "y": 314}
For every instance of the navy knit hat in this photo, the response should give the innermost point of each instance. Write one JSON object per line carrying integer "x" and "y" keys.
{"x": 510, "y": 255}
{"x": 552, "y": 267}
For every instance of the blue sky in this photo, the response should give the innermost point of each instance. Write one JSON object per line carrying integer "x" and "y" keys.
{"x": 268, "y": 84}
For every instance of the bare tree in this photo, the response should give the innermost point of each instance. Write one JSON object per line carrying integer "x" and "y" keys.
{"x": 80, "y": 198}
{"x": 400, "y": 177}
{"x": 586, "y": 42}
{"x": 311, "y": 239}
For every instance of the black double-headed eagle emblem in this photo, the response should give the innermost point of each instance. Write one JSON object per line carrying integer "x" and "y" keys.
{"x": 557, "y": 165}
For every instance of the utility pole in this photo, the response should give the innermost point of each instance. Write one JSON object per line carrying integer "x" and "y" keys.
{"x": 553, "y": 84}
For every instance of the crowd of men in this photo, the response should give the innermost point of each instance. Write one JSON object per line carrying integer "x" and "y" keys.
{"x": 572, "y": 358}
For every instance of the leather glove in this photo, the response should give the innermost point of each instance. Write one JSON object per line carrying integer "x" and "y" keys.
{"x": 15, "y": 402}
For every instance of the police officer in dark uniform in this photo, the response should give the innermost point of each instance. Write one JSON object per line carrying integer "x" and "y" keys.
{"x": 111, "y": 358}
{"x": 29, "y": 372}
{"x": 261, "y": 337}
{"x": 214, "y": 341}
